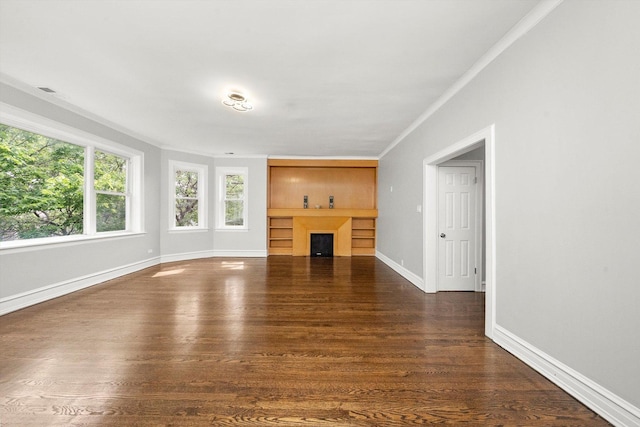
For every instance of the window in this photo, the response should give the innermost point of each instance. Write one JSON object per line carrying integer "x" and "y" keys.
{"x": 57, "y": 184}
{"x": 188, "y": 196}
{"x": 110, "y": 185}
{"x": 41, "y": 186}
{"x": 232, "y": 213}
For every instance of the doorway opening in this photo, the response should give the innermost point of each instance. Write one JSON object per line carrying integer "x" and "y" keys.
{"x": 483, "y": 139}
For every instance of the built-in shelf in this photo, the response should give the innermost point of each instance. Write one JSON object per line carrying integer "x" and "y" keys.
{"x": 280, "y": 236}
{"x": 363, "y": 236}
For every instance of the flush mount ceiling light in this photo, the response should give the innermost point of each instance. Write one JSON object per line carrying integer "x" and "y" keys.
{"x": 237, "y": 101}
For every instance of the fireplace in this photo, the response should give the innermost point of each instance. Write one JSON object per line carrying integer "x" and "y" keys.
{"x": 338, "y": 226}
{"x": 321, "y": 244}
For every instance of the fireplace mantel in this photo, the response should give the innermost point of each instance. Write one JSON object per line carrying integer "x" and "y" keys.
{"x": 338, "y": 222}
{"x": 353, "y": 213}
{"x": 304, "y": 226}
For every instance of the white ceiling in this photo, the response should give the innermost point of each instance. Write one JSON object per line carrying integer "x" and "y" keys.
{"x": 327, "y": 78}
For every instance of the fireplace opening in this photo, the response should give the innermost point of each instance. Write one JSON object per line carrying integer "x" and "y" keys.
{"x": 322, "y": 244}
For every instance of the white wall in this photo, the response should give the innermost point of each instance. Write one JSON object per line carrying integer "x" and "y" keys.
{"x": 178, "y": 245}
{"x": 565, "y": 101}
{"x": 252, "y": 242}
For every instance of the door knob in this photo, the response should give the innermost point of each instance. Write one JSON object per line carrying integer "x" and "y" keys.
{"x": 443, "y": 235}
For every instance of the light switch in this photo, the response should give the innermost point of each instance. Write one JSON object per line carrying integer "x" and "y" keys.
{"x": 419, "y": 208}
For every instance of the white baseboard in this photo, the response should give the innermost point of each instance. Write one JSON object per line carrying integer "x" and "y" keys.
{"x": 241, "y": 254}
{"x": 36, "y": 296}
{"x": 605, "y": 403}
{"x": 413, "y": 278}
{"x": 185, "y": 256}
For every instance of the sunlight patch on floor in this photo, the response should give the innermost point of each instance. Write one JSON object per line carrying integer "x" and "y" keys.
{"x": 168, "y": 272}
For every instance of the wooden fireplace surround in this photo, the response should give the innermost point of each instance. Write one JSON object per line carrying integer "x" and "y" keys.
{"x": 352, "y": 221}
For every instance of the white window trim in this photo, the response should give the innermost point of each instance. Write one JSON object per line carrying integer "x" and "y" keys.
{"x": 91, "y": 194}
{"x": 221, "y": 172}
{"x": 202, "y": 171}
{"x": 30, "y": 122}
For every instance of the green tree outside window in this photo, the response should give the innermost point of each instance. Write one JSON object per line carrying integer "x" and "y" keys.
{"x": 110, "y": 185}
{"x": 42, "y": 183}
{"x": 234, "y": 200}
{"x": 41, "y": 186}
{"x": 186, "y": 209}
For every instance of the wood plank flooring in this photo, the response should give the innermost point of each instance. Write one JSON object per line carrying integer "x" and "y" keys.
{"x": 282, "y": 341}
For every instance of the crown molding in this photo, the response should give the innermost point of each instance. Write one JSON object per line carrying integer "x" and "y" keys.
{"x": 530, "y": 20}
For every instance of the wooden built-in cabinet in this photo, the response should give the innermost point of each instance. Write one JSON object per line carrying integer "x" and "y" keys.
{"x": 352, "y": 221}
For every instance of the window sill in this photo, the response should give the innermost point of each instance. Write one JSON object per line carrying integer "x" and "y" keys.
{"x": 233, "y": 230}
{"x": 34, "y": 244}
{"x": 187, "y": 230}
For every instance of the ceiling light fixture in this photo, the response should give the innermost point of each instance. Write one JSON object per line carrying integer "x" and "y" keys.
{"x": 237, "y": 101}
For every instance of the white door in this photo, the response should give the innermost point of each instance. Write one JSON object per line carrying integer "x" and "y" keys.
{"x": 456, "y": 228}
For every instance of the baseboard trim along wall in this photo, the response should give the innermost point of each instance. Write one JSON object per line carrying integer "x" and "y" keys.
{"x": 413, "y": 278}
{"x": 186, "y": 256}
{"x": 45, "y": 293}
{"x": 614, "y": 409}
{"x": 241, "y": 254}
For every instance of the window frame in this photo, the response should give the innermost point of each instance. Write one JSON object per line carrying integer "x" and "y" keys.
{"x": 202, "y": 171}
{"x": 221, "y": 174}
{"x": 30, "y": 122}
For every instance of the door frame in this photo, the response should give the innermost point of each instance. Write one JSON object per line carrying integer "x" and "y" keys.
{"x": 484, "y": 137}
{"x": 477, "y": 217}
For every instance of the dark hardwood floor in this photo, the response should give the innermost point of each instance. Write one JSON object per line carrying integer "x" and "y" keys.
{"x": 258, "y": 342}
